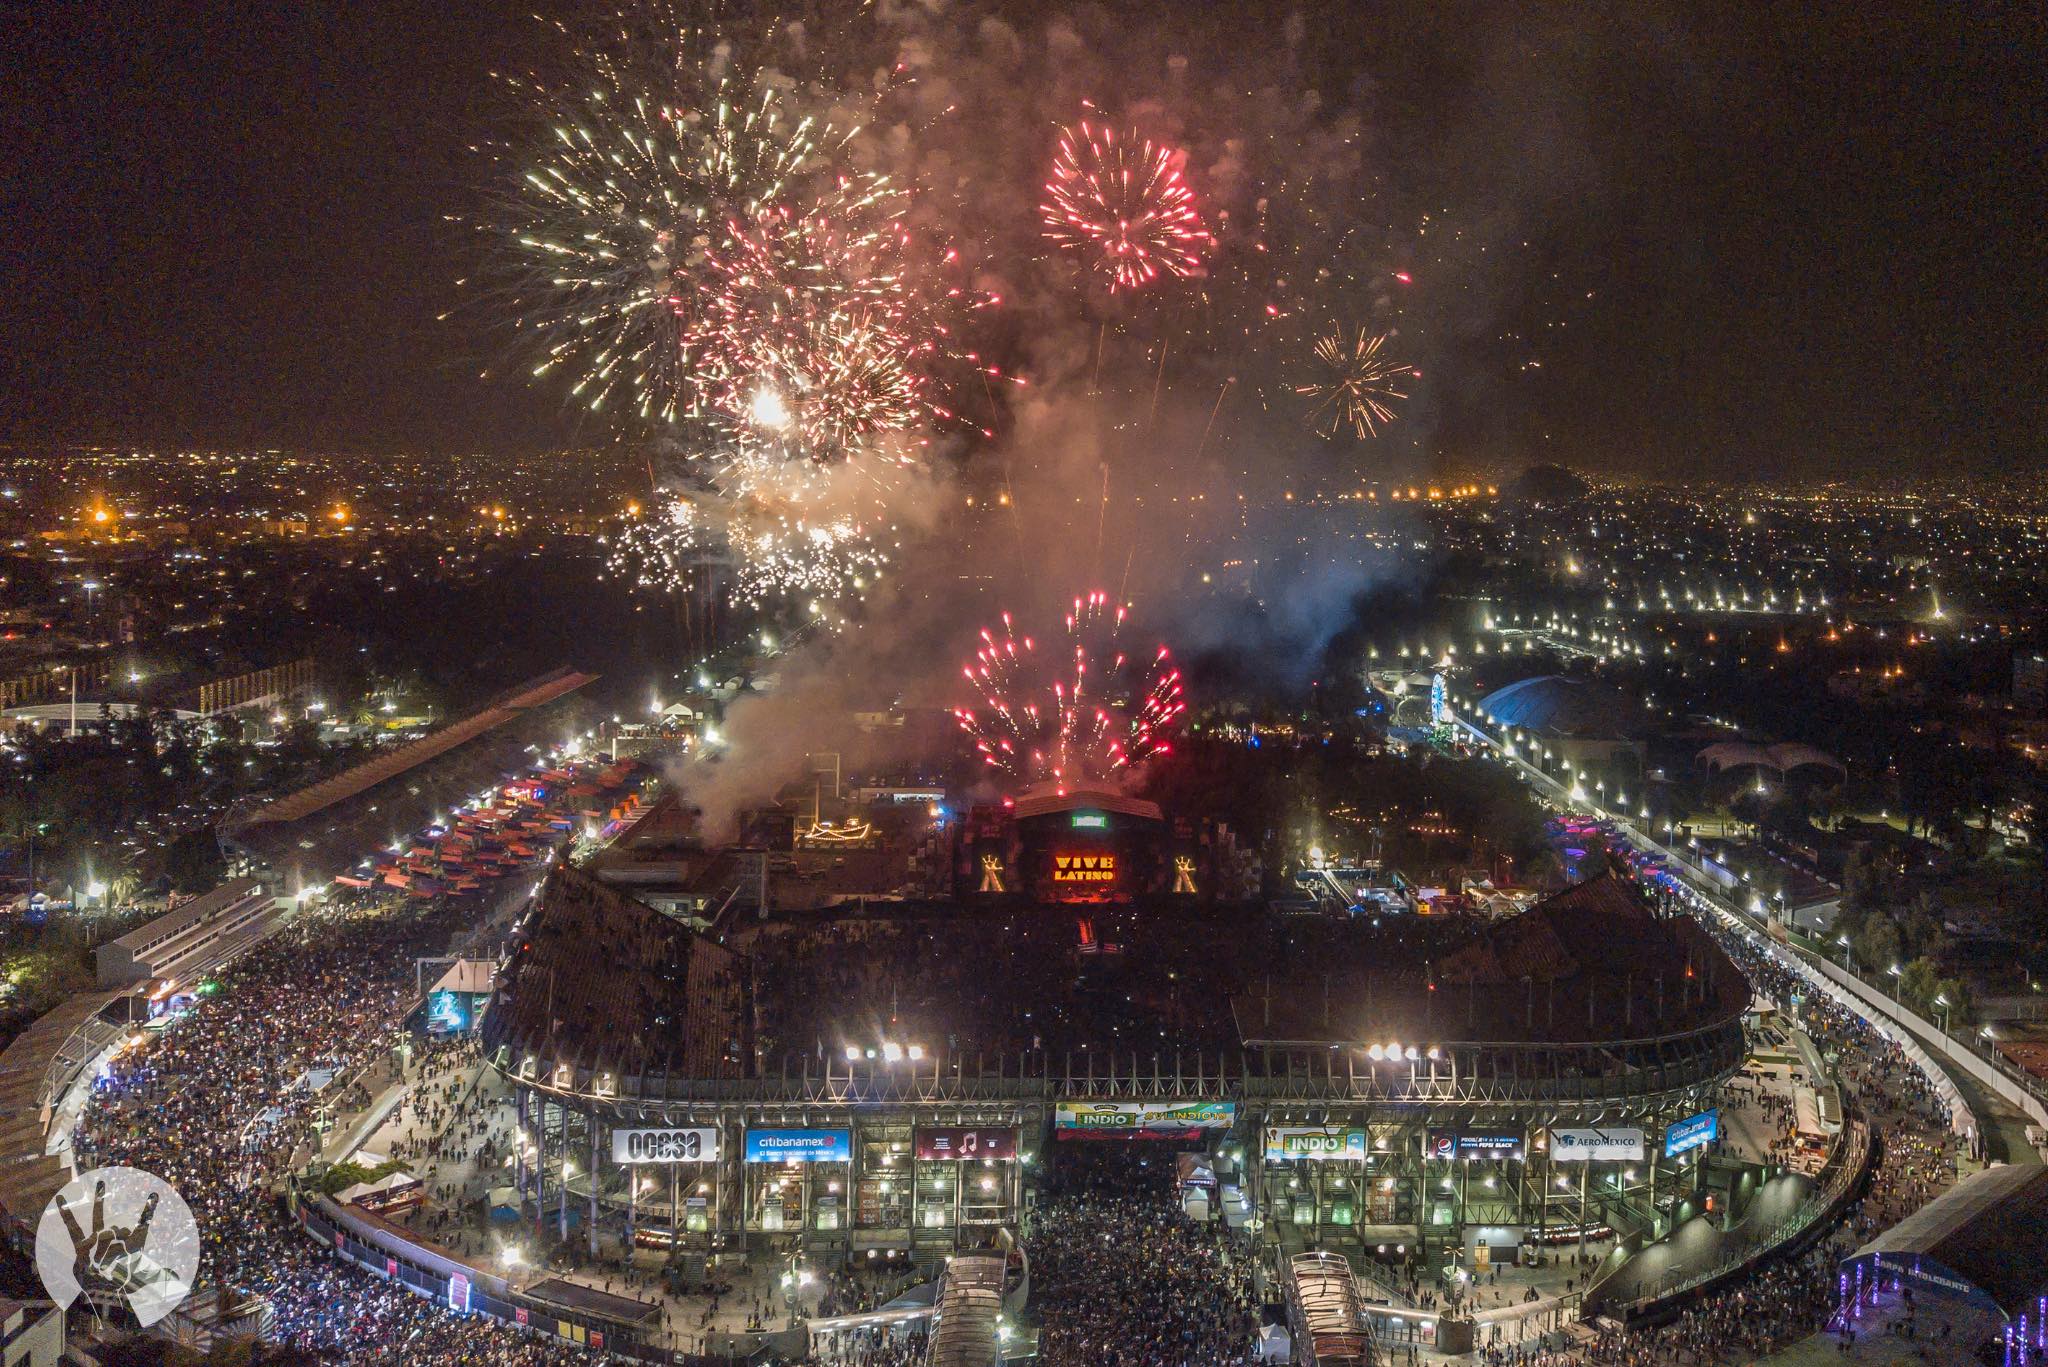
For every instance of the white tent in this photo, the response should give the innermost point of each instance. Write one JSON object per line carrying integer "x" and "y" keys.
{"x": 390, "y": 1182}
{"x": 467, "y": 975}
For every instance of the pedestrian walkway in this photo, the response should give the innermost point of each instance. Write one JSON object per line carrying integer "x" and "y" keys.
{"x": 451, "y": 1123}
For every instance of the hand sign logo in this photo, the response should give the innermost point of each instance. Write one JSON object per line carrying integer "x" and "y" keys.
{"x": 119, "y": 1233}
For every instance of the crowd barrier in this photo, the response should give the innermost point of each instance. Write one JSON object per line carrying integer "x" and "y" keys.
{"x": 1841, "y": 1180}
{"x": 463, "y": 1289}
{"x": 2021, "y": 1096}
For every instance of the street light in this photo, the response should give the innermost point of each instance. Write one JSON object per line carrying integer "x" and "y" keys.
{"x": 1897, "y": 983}
{"x": 1942, "y": 1002}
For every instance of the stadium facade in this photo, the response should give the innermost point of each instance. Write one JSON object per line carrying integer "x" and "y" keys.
{"x": 1548, "y": 1079}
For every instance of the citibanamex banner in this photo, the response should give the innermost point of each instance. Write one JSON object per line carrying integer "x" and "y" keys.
{"x": 692, "y": 1144}
{"x": 1693, "y": 1132}
{"x": 1597, "y": 1146}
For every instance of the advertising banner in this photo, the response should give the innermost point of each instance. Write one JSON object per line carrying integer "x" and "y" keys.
{"x": 942, "y": 1143}
{"x": 1683, "y": 1136}
{"x": 1450, "y": 1144}
{"x": 799, "y": 1146}
{"x": 1142, "y": 1119}
{"x": 692, "y": 1144}
{"x": 1315, "y": 1144}
{"x": 1597, "y": 1146}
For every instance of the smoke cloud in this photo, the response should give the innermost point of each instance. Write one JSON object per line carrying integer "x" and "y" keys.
{"x": 1160, "y": 450}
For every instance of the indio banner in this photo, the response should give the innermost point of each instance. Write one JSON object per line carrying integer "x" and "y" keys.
{"x": 1142, "y": 1119}
{"x": 1286, "y": 1144}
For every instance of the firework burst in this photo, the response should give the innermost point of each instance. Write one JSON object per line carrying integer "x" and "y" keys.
{"x": 1069, "y": 715}
{"x": 1355, "y": 384}
{"x": 691, "y": 244}
{"x": 638, "y": 170}
{"x": 1121, "y": 205}
{"x": 661, "y": 551}
{"x": 765, "y": 552}
{"x": 681, "y": 227}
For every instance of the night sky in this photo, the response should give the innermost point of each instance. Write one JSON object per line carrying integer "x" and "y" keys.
{"x": 1814, "y": 234}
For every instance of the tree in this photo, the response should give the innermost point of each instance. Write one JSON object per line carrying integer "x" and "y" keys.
{"x": 193, "y": 861}
{"x": 1920, "y": 982}
{"x": 1594, "y": 864}
{"x": 1544, "y": 870}
{"x": 1880, "y": 944}
{"x": 122, "y": 885}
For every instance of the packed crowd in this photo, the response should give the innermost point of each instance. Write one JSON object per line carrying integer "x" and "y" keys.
{"x": 877, "y": 1347}
{"x": 220, "y": 1105}
{"x": 1121, "y": 1276}
{"x": 930, "y": 975}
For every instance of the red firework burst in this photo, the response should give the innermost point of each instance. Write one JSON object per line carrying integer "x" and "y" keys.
{"x": 1121, "y": 203}
{"x": 1084, "y": 713}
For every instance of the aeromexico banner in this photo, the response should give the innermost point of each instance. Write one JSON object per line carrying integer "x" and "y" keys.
{"x": 694, "y": 1144}
{"x": 1596, "y": 1146}
{"x": 1142, "y": 1119}
{"x": 1315, "y": 1144}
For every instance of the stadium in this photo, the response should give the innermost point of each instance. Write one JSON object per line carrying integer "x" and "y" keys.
{"x": 882, "y": 1080}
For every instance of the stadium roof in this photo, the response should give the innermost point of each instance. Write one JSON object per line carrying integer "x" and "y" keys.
{"x": 607, "y": 983}
{"x": 1558, "y": 705}
{"x": 1590, "y": 964}
{"x": 1780, "y": 759}
{"x": 390, "y": 764}
{"x": 608, "y": 986}
{"x": 1989, "y": 1232}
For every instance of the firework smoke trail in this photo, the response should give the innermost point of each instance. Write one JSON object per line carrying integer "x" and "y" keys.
{"x": 1355, "y": 386}
{"x": 1121, "y": 204}
{"x": 1085, "y": 713}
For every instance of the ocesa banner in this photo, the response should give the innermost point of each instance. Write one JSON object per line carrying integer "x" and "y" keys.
{"x": 693, "y": 1144}
{"x": 1142, "y": 1119}
{"x": 1596, "y": 1146}
{"x": 1316, "y": 1144}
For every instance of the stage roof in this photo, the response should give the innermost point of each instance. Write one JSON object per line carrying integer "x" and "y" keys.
{"x": 1046, "y": 801}
{"x": 1990, "y": 1230}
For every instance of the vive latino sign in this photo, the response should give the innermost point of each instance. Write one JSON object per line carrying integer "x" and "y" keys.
{"x": 1094, "y": 868}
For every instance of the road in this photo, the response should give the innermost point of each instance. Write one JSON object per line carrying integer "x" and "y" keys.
{"x": 2003, "y": 1127}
